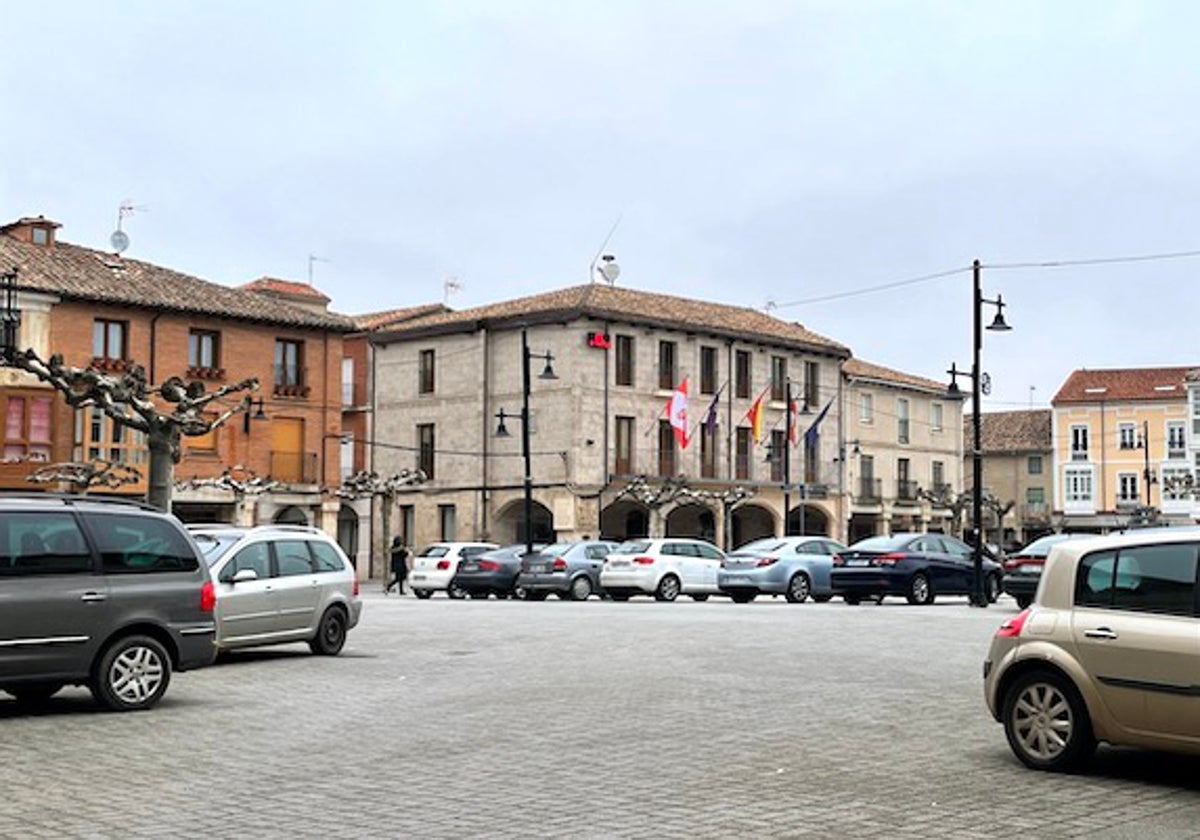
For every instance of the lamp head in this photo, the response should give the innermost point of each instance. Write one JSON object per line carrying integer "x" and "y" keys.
{"x": 547, "y": 371}
{"x": 501, "y": 429}
{"x": 998, "y": 323}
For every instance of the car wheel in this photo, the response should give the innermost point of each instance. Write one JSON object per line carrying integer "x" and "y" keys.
{"x": 455, "y": 591}
{"x": 667, "y": 589}
{"x": 701, "y": 597}
{"x": 423, "y": 594}
{"x": 919, "y": 589}
{"x": 852, "y": 600}
{"x": 1047, "y": 723}
{"x": 1024, "y": 601}
{"x": 992, "y": 588}
{"x": 743, "y": 597}
{"x": 581, "y": 588}
{"x": 34, "y": 694}
{"x": 133, "y": 673}
{"x": 798, "y": 588}
{"x": 520, "y": 593}
{"x": 331, "y": 633}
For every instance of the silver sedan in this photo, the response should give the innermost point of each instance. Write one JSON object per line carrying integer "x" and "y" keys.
{"x": 795, "y": 567}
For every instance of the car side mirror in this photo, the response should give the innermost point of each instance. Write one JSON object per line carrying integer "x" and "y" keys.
{"x": 244, "y": 575}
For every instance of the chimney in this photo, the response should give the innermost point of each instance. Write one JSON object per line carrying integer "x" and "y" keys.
{"x": 36, "y": 230}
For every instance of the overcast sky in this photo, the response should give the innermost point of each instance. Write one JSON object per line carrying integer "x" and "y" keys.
{"x": 754, "y": 153}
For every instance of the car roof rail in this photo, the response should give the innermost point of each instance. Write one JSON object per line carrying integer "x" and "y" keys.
{"x": 285, "y": 526}
{"x": 76, "y": 498}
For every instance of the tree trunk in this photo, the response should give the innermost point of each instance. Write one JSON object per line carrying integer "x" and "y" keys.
{"x": 162, "y": 467}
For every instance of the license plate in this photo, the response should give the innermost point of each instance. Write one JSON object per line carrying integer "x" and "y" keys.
{"x": 418, "y": 577}
{"x": 737, "y": 580}
{"x": 1030, "y": 570}
{"x": 538, "y": 568}
{"x": 618, "y": 563}
{"x": 469, "y": 567}
{"x": 858, "y": 562}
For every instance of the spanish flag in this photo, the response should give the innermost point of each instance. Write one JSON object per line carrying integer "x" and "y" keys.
{"x": 755, "y": 416}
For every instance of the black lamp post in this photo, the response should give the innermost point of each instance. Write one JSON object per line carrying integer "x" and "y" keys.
{"x": 502, "y": 430}
{"x": 980, "y": 383}
{"x": 10, "y": 317}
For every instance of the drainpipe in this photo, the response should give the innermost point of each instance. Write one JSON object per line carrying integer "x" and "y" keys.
{"x": 484, "y": 493}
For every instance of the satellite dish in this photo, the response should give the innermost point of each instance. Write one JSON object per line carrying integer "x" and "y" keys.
{"x": 609, "y": 269}
{"x": 119, "y": 241}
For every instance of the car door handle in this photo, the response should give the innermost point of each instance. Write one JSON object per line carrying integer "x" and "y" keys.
{"x": 1100, "y": 633}
{"x": 92, "y": 597}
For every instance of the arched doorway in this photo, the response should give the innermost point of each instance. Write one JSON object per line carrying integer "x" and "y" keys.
{"x": 509, "y": 524}
{"x": 750, "y": 522}
{"x": 692, "y": 520}
{"x": 347, "y": 533}
{"x": 292, "y": 515}
{"x": 624, "y": 520}
{"x": 806, "y": 519}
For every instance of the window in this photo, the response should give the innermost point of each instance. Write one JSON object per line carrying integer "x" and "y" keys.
{"x": 447, "y": 523}
{"x": 935, "y": 417}
{"x": 708, "y": 370}
{"x": 708, "y": 456}
{"x": 1196, "y": 414}
{"x": 1173, "y": 483}
{"x": 906, "y": 488}
{"x": 778, "y": 442}
{"x": 425, "y": 450}
{"x": 289, "y": 358}
{"x": 1127, "y": 488}
{"x": 256, "y": 557}
{"x": 108, "y": 339}
{"x": 778, "y": 378}
{"x": 742, "y": 374}
{"x": 1126, "y": 436}
{"x": 325, "y": 557}
{"x": 902, "y": 420}
{"x": 348, "y": 381}
{"x": 39, "y": 236}
{"x": 106, "y": 440}
{"x": 1079, "y": 443}
{"x": 869, "y": 486}
{"x": 42, "y": 544}
{"x": 625, "y": 360}
{"x": 866, "y": 408}
{"x": 204, "y": 349}
{"x": 1176, "y": 443}
{"x": 666, "y": 365}
{"x": 347, "y": 455}
{"x": 1151, "y": 578}
{"x": 408, "y": 526}
{"x": 27, "y": 428}
{"x": 425, "y": 385}
{"x": 666, "y": 448}
{"x": 939, "y": 475}
{"x": 292, "y": 558}
{"x": 624, "y": 442}
{"x": 1035, "y": 495}
{"x": 743, "y": 453}
{"x": 137, "y": 544}
{"x": 1077, "y": 485}
{"x": 1033, "y": 464}
{"x": 812, "y": 383}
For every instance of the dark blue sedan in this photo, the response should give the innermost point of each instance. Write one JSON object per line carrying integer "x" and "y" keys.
{"x": 917, "y": 566}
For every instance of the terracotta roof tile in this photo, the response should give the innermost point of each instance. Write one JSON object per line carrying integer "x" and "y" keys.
{"x": 1010, "y": 431}
{"x": 371, "y": 321}
{"x": 858, "y": 369}
{"x": 603, "y": 302}
{"x": 78, "y": 273}
{"x": 1124, "y": 385}
{"x": 285, "y": 287}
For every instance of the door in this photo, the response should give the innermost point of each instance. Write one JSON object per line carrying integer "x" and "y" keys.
{"x": 709, "y": 562}
{"x": 944, "y": 574}
{"x": 298, "y": 585}
{"x": 287, "y": 450}
{"x": 961, "y": 573}
{"x": 247, "y": 609}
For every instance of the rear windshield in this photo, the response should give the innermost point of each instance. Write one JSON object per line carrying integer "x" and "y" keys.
{"x": 758, "y": 547}
{"x": 556, "y": 549}
{"x": 132, "y": 544}
{"x": 881, "y": 544}
{"x": 214, "y": 546}
{"x": 633, "y": 547}
{"x": 434, "y": 551}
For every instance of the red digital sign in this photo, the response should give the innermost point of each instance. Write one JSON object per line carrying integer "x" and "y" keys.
{"x": 599, "y": 340}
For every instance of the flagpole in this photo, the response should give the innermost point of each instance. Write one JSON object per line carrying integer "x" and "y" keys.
{"x": 787, "y": 459}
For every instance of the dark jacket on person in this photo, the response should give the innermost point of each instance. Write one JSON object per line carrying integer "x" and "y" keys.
{"x": 400, "y": 561}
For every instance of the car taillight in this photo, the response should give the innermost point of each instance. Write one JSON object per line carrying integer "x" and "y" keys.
{"x": 839, "y": 560}
{"x": 208, "y": 596}
{"x": 887, "y": 559}
{"x": 355, "y": 587}
{"x": 443, "y": 565}
{"x": 766, "y": 561}
{"x": 644, "y": 561}
{"x": 560, "y": 565}
{"x": 488, "y": 565}
{"x": 1012, "y": 627}
{"x": 1012, "y": 562}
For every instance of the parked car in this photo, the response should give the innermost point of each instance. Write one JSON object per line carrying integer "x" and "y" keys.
{"x": 664, "y": 568}
{"x": 435, "y": 565}
{"x": 796, "y": 567}
{"x": 919, "y": 567}
{"x": 569, "y": 570}
{"x": 1023, "y": 568}
{"x": 1107, "y": 651}
{"x": 109, "y": 595}
{"x": 490, "y": 573}
{"x": 277, "y": 584}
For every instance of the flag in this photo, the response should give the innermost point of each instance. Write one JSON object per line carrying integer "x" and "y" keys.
{"x": 755, "y": 416}
{"x": 793, "y": 429}
{"x": 710, "y": 416}
{"x": 677, "y": 413}
{"x": 810, "y": 437}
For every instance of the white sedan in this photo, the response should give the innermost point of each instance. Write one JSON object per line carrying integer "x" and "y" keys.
{"x": 664, "y": 568}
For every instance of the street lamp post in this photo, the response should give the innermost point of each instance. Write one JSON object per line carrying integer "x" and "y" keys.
{"x": 502, "y": 431}
{"x": 980, "y": 384}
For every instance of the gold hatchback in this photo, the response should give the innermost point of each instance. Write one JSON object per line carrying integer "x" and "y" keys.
{"x": 1109, "y": 651}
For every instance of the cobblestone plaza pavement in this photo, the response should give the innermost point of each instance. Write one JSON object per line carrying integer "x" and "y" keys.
{"x": 448, "y": 719}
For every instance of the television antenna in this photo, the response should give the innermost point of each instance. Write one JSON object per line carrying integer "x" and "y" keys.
{"x": 313, "y": 258}
{"x": 608, "y": 268}
{"x": 451, "y": 285}
{"x": 120, "y": 239}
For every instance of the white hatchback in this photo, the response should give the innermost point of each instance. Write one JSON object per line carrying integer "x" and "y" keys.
{"x": 664, "y": 568}
{"x": 434, "y": 567}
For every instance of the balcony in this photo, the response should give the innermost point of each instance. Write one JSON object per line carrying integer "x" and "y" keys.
{"x": 289, "y": 382}
{"x": 294, "y": 467}
{"x": 1035, "y": 512}
{"x": 870, "y": 490}
{"x": 1079, "y": 454}
{"x": 906, "y": 491}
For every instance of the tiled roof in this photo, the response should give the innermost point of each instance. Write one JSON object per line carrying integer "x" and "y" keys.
{"x": 77, "y": 273}
{"x": 1010, "y": 431}
{"x": 1124, "y": 385}
{"x": 614, "y": 303}
{"x": 371, "y": 321}
{"x": 284, "y": 287}
{"x": 858, "y": 369}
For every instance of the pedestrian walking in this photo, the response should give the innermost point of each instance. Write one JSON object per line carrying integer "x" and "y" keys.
{"x": 399, "y": 567}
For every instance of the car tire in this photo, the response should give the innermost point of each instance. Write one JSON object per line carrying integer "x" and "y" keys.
{"x": 743, "y": 597}
{"x": 1047, "y": 723}
{"x": 667, "y": 589}
{"x": 423, "y": 594}
{"x": 1024, "y": 601}
{"x": 455, "y": 591}
{"x": 920, "y": 590}
{"x": 852, "y": 600}
{"x": 992, "y": 588}
{"x": 581, "y": 588}
{"x": 132, "y": 673}
{"x": 703, "y": 596}
{"x": 331, "y": 633}
{"x": 798, "y": 588}
{"x": 34, "y": 694}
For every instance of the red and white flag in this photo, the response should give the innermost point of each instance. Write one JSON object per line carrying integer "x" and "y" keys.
{"x": 677, "y": 413}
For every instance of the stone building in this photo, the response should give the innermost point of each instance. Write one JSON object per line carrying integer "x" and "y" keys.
{"x": 1018, "y": 474}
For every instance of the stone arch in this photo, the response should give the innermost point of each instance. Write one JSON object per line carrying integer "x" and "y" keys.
{"x": 750, "y": 522}
{"x": 625, "y": 520}
{"x": 292, "y": 515}
{"x": 816, "y": 521}
{"x": 508, "y": 527}
{"x": 692, "y": 520}
{"x": 347, "y": 532}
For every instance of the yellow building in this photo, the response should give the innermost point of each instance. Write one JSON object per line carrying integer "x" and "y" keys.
{"x": 1120, "y": 448}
